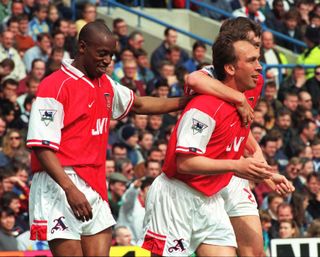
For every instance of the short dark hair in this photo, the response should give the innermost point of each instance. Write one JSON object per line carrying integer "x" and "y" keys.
{"x": 198, "y": 44}
{"x": 116, "y": 21}
{"x": 167, "y": 30}
{"x": 7, "y": 63}
{"x": 11, "y": 82}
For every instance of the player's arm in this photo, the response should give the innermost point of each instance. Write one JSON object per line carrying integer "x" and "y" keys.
{"x": 204, "y": 84}
{"x": 76, "y": 199}
{"x": 248, "y": 168}
{"x": 277, "y": 182}
{"x": 157, "y": 105}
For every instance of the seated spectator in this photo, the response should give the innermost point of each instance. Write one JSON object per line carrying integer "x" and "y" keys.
{"x": 153, "y": 168}
{"x": 265, "y": 220}
{"x": 315, "y": 146}
{"x": 53, "y": 16}
{"x": 132, "y": 211}
{"x": 38, "y": 24}
{"x": 275, "y": 17}
{"x": 117, "y": 187}
{"x": 311, "y": 56}
{"x": 130, "y": 68}
{"x": 6, "y": 67}
{"x": 162, "y": 88}
{"x": 125, "y": 55}
{"x": 198, "y": 56}
{"x": 41, "y": 50}
{"x": 269, "y": 146}
{"x": 314, "y": 229}
{"x": 16, "y": 9}
{"x": 251, "y": 11}
{"x": 38, "y": 68}
{"x": 313, "y": 187}
{"x": 145, "y": 142}
{"x": 304, "y": 10}
{"x": 8, "y": 242}
{"x": 120, "y": 29}
{"x": 32, "y": 87}
{"x": 12, "y": 26}
{"x": 58, "y": 41}
{"x": 290, "y": 28}
{"x": 139, "y": 121}
{"x": 288, "y": 229}
{"x": 12, "y": 143}
{"x": 159, "y": 54}
{"x": 270, "y": 55}
{"x": 8, "y": 51}
{"x": 270, "y": 95}
{"x": 123, "y": 236}
{"x": 89, "y": 14}
{"x": 313, "y": 87}
{"x": 119, "y": 151}
{"x": 4, "y": 9}
{"x": 11, "y": 200}
{"x": 55, "y": 60}
{"x": 110, "y": 168}
{"x": 144, "y": 72}
{"x": 135, "y": 41}
{"x": 258, "y": 131}
{"x": 154, "y": 124}
{"x": 23, "y": 40}
{"x": 125, "y": 167}
{"x": 128, "y": 135}
{"x": 293, "y": 83}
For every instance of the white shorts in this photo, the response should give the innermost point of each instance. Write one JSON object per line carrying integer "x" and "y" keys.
{"x": 178, "y": 219}
{"x": 238, "y": 198}
{"x": 51, "y": 216}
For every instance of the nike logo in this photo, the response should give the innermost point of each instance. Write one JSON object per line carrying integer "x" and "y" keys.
{"x": 90, "y": 105}
{"x": 234, "y": 123}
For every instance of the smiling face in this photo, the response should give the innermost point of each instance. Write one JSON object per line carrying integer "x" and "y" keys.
{"x": 247, "y": 68}
{"x": 97, "y": 54}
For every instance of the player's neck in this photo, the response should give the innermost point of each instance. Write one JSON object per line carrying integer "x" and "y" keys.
{"x": 230, "y": 82}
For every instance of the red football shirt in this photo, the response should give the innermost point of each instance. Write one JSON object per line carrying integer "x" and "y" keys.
{"x": 210, "y": 127}
{"x": 71, "y": 115}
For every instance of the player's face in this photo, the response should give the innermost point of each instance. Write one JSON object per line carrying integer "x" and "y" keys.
{"x": 247, "y": 68}
{"x": 98, "y": 55}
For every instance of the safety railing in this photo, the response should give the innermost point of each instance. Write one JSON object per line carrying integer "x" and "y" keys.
{"x": 219, "y": 11}
{"x": 139, "y": 14}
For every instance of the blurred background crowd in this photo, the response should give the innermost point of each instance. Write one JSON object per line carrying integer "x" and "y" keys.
{"x": 37, "y": 34}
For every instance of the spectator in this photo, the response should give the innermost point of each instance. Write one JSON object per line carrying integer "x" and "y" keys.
{"x": 125, "y": 167}
{"x": 16, "y": 10}
{"x": 159, "y": 54}
{"x": 270, "y": 55}
{"x": 38, "y": 24}
{"x": 132, "y": 211}
{"x": 53, "y": 17}
{"x": 119, "y": 151}
{"x": 41, "y": 50}
{"x": 125, "y": 55}
{"x": 55, "y": 60}
{"x": 276, "y": 16}
{"x": 305, "y": 101}
{"x": 58, "y": 41}
{"x": 153, "y": 168}
{"x": 144, "y": 72}
{"x": 117, "y": 187}
{"x": 311, "y": 56}
{"x": 315, "y": 146}
{"x": 4, "y": 9}
{"x": 89, "y": 14}
{"x": 139, "y": 121}
{"x": 120, "y": 29}
{"x": 269, "y": 146}
{"x": 293, "y": 83}
{"x": 12, "y": 25}
{"x": 38, "y": 68}
{"x": 313, "y": 187}
{"x": 128, "y": 135}
{"x": 162, "y": 88}
{"x": 145, "y": 142}
{"x": 314, "y": 229}
{"x": 258, "y": 131}
{"x": 7, "y": 240}
{"x": 198, "y": 56}
{"x": 251, "y": 11}
{"x": 265, "y": 220}
{"x": 303, "y": 9}
{"x": 32, "y": 87}
{"x": 313, "y": 87}
{"x": 23, "y": 40}
{"x": 12, "y": 143}
{"x": 110, "y": 168}
{"x": 288, "y": 229}
{"x": 8, "y": 51}
{"x": 130, "y": 68}
{"x": 6, "y": 67}
{"x": 135, "y": 41}
{"x": 123, "y": 236}
{"x": 291, "y": 29}
{"x": 270, "y": 95}
{"x": 154, "y": 124}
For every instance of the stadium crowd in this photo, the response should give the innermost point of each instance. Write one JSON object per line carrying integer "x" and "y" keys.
{"x": 37, "y": 34}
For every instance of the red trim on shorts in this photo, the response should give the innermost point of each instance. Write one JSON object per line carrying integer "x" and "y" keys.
{"x": 40, "y": 221}
{"x": 154, "y": 243}
{"x": 38, "y": 232}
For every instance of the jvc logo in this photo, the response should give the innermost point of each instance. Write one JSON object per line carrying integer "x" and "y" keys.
{"x": 235, "y": 144}
{"x": 101, "y": 127}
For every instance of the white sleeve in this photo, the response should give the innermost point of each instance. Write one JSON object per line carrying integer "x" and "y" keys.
{"x": 122, "y": 100}
{"x": 46, "y": 122}
{"x": 194, "y": 131}
{"x": 209, "y": 70}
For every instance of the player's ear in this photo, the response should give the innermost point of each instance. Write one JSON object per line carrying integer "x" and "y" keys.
{"x": 229, "y": 69}
{"x": 82, "y": 46}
